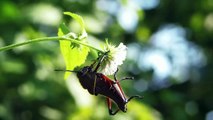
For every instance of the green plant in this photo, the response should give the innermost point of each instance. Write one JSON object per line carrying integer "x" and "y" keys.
{"x": 75, "y": 48}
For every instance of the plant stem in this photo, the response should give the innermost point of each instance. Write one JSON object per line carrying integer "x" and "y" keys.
{"x": 47, "y": 39}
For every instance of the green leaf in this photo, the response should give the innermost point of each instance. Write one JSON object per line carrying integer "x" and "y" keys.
{"x": 80, "y": 20}
{"x": 73, "y": 56}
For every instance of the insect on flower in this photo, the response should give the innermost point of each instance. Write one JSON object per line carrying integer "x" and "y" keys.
{"x": 97, "y": 83}
{"x": 115, "y": 57}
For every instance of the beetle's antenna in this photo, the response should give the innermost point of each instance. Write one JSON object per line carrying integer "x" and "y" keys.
{"x": 66, "y": 70}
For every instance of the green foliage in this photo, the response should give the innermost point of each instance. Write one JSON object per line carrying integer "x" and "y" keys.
{"x": 74, "y": 55}
{"x": 80, "y": 20}
{"x": 32, "y": 90}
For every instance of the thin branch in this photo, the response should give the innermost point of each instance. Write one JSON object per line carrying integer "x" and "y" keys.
{"x": 47, "y": 39}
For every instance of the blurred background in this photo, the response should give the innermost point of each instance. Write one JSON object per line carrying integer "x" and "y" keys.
{"x": 170, "y": 46}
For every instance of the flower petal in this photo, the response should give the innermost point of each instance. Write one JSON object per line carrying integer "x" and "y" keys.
{"x": 116, "y": 56}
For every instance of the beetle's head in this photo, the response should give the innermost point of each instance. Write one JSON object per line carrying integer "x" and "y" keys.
{"x": 123, "y": 106}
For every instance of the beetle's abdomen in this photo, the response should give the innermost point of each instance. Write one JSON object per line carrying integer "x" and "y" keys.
{"x": 110, "y": 89}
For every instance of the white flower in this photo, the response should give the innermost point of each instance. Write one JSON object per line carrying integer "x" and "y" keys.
{"x": 114, "y": 58}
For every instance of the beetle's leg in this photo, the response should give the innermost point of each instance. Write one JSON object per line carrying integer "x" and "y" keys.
{"x": 109, "y": 103}
{"x": 127, "y": 78}
{"x": 135, "y": 96}
{"x": 97, "y": 60}
{"x": 93, "y": 64}
{"x": 115, "y": 78}
{"x": 100, "y": 61}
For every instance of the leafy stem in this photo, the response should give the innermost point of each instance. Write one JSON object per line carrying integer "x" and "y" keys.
{"x": 48, "y": 39}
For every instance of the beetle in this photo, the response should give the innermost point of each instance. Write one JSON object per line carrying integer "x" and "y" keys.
{"x": 98, "y": 83}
